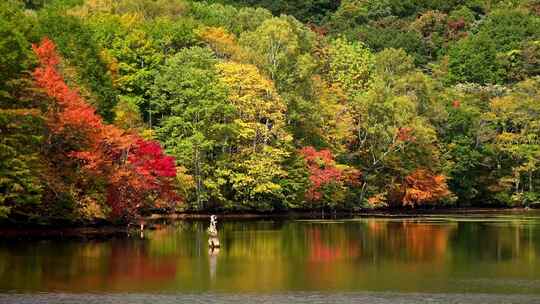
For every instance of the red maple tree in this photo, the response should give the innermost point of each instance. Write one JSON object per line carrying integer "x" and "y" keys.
{"x": 133, "y": 169}
{"x": 322, "y": 169}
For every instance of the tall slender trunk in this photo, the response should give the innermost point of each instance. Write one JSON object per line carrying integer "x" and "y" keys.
{"x": 150, "y": 114}
{"x": 198, "y": 177}
{"x": 363, "y": 191}
{"x": 530, "y": 181}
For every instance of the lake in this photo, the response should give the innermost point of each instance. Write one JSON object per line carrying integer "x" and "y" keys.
{"x": 430, "y": 259}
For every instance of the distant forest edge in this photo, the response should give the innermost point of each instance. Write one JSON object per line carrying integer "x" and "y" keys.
{"x": 109, "y": 108}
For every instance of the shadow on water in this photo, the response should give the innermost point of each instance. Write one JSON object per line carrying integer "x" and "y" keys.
{"x": 378, "y": 260}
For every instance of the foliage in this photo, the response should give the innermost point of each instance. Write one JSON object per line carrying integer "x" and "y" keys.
{"x": 322, "y": 171}
{"x": 21, "y": 121}
{"x": 350, "y": 65}
{"x": 195, "y": 118}
{"x": 514, "y": 120}
{"x": 223, "y": 43}
{"x": 280, "y": 46}
{"x": 476, "y": 58}
{"x": 312, "y": 11}
{"x": 75, "y": 42}
{"x": 423, "y": 187}
{"x": 19, "y": 159}
{"x": 251, "y": 174}
{"x": 103, "y": 151}
{"x": 266, "y": 105}
{"x": 328, "y": 180}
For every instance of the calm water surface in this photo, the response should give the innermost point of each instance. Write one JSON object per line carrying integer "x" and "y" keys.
{"x": 446, "y": 259}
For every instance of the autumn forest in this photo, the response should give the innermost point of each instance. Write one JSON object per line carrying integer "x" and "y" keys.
{"x": 110, "y": 109}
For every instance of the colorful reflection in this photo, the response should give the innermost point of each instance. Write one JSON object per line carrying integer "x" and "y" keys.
{"x": 498, "y": 254}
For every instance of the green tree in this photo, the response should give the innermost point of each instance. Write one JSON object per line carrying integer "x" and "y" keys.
{"x": 476, "y": 58}
{"x": 473, "y": 59}
{"x": 21, "y": 124}
{"x": 82, "y": 51}
{"x": 304, "y": 10}
{"x": 515, "y": 120}
{"x": 350, "y": 65}
{"x": 189, "y": 106}
{"x": 281, "y": 47}
{"x": 20, "y": 161}
{"x": 393, "y": 137}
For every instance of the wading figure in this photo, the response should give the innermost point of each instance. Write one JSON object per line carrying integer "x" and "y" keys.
{"x": 213, "y": 241}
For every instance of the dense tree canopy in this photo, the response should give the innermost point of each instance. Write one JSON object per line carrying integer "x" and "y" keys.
{"x": 254, "y": 105}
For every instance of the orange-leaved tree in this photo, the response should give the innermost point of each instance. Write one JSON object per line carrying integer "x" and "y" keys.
{"x": 422, "y": 187}
{"x": 134, "y": 172}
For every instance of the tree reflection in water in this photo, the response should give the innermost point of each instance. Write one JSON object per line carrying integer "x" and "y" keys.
{"x": 408, "y": 255}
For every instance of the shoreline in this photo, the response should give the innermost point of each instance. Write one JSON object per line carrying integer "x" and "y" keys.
{"x": 104, "y": 230}
{"x": 337, "y": 214}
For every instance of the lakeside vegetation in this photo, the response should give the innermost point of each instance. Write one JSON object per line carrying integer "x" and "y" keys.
{"x": 109, "y": 108}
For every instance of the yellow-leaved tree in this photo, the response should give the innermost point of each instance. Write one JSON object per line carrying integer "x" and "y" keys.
{"x": 254, "y": 170}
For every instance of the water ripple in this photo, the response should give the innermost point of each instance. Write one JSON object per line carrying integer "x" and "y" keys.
{"x": 300, "y": 297}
